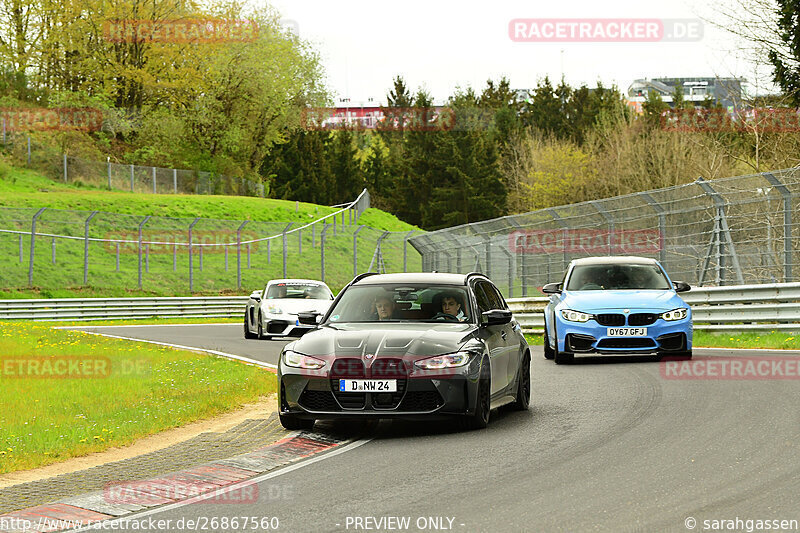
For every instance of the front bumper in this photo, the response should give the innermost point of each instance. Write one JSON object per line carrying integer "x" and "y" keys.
{"x": 420, "y": 395}
{"x": 590, "y": 337}
{"x": 284, "y": 326}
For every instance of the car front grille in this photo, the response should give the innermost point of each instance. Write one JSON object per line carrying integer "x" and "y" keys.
{"x": 348, "y": 368}
{"x": 626, "y": 342}
{"x": 610, "y": 319}
{"x": 642, "y": 319}
{"x": 276, "y": 326}
{"x": 673, "y": 341}
{"x": 318, "y": 400}
{"x": 421, "y": 401}
{"x": 389, "y": 369}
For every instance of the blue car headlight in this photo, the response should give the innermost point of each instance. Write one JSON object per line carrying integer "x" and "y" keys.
{"x": 575, "y": 316}
{"x": 675, "y": 314}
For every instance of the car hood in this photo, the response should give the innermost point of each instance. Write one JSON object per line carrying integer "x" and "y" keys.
{"x": 394, "y": 339}
{"x": 293, "y": 306}
{"x": 593, "y": 301}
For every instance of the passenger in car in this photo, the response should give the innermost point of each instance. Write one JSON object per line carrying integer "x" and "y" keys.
{"x": 451, "y": 304}
{"x": 384, "y": 308}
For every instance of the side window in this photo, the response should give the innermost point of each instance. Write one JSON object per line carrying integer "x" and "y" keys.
{"x": 483, "y": 301}
{"x": 495, "y": 297}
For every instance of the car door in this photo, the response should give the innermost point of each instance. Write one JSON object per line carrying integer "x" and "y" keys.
{"x": 494, "y": 341}
{"x": 508, "y": 334}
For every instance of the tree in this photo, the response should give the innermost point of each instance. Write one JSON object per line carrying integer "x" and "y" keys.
{"x": 786, "y": 59}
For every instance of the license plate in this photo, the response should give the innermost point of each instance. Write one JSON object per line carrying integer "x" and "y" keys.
{"x": 627, "y": 332}
{"x": 367, "y": 385}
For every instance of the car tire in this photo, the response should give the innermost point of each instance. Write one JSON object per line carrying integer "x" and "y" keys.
{"x": 480, "y": 418}
{"x": 562, "y": 358}
{"x": 523, "y": 385}
{"x": 292, "y": 423}
{"x": 548, "y": 351}
{"x": 247, "y": 334}
{"x": 261, "y": 335}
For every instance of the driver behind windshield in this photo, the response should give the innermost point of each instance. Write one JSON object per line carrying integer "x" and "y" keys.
{"x": 452, "y": 306}
{"x": 384, "y": 307}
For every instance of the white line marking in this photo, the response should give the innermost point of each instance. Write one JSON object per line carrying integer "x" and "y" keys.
{"x": 269, "y": 475}
{"x": 780, "y": 350}
{"x": 149, "y": 325}
{"x": 190, "y": 348}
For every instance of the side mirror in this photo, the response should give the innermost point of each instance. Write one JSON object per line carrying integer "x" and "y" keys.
{"x": 552, "y": 288}
{"x": 256, "y": 295}
{"x": 309, "y": 318}
{"x": 681, "y": 286}
{"x": 496, "y": 317}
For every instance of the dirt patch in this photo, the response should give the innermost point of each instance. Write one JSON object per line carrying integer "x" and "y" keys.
{"x": 259, "y": 410}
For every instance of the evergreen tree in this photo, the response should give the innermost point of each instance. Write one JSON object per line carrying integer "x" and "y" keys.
{"x": 300, "y": 168}
{"x": 786, "y": 61}
{"x": 348, "y": 178}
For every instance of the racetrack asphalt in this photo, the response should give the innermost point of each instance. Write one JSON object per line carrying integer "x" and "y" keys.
{"x": 609, "y": 444}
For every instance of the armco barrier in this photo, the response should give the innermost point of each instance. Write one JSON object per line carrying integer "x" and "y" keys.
{"x": 737, "y": 307}
{"x": 767, "y": 307}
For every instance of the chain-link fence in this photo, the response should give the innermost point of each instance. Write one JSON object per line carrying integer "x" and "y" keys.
{"x": 726, "y": 231}
{"x": 57, "y": 248}
{"x": 51, "y": 162}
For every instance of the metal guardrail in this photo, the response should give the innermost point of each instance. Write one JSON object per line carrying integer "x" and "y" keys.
{"x": 122, "y": 308}
{"x": 737, "y": 308}
{"x": 766, "y": 307}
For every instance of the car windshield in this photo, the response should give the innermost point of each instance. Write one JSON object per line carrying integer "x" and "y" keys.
{"x": 402, "y": 303}
{"x": 616, "y": 277}
{"x": 297, "y": 290}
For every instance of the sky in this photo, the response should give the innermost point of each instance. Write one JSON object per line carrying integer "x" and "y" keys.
{"x": 442, "y": 45}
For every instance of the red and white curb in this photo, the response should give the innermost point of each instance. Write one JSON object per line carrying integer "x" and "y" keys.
{"x": 232, "y": 480}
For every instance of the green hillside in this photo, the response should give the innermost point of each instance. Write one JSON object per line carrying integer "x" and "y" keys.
{"x": 165, "y": 273}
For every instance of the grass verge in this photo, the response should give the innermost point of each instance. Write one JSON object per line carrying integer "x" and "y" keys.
{"x": 117, "y": 391}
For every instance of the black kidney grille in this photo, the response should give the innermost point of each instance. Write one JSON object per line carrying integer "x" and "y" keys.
{"x": 642, "y": 319}
{"x": 389, "y": 369}
{"x": 348, "y": 368}
{"x": 610, "y": 319}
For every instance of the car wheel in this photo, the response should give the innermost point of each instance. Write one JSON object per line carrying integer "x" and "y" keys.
{"x": 562, "y": 358}
{"x": 480, "y": 418}
{"x": 247, "y": 334}
{"x": 261, "y": 335}
{"x": 548, "y": 351}
{"x": 292, "y": 422}
{"x": 523, "y": 385}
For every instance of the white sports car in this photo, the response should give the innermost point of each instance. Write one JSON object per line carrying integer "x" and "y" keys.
{"x": 273, "y": 312}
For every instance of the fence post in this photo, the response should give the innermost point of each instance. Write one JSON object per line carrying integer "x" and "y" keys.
{"x": 285, "y": 247}
{"x": 510, "y": 258}
{"x": 355, "y": 250}
{"x": 787, "y": 224}
{"x": 141, "y": 225}
{"x": 86, "y": 247}
{"x": 65, "y": 168}
{"x": 720, "y": 226}
{"x": 300, "y": 241}
{"x": 154, "y": 180}
{"x": 269, "y": 253}
{"x": 488, "y": 259}
{"x": 405, "y": 252}
{"x": 53, "y": 248}
{"x": 334, "y": 225}
{"x": 117, "y": 257}
{"x": 191, "y": 269}
{"x": 662, "y": 226}
{"x": 239, "y": 255}
{"x": 20, "y": 248}
{"x": 175, "y": 180}
{"x": 609, "y": 220}
{"x": 132, "y": 178}
{"x": 565, "y": 237}
{"x": 33, "y": 243}
{"x": 322, "y": 250}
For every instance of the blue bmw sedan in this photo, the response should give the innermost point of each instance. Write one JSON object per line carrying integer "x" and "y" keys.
{"x": 616, "y": 305}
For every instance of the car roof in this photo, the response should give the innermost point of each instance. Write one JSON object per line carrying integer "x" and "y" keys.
{"x": 414, "y": 277}
{"x": 615, "y": 260}
{"x": 296, "y": 280}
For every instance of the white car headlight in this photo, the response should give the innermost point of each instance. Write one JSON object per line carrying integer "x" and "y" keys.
{"x": 575, "y": 316}
{"x": 274, "y": 310}
{"x": 450, "y": 360}
{"x": 298, "y": 360}
{"x": 675, "y": 314}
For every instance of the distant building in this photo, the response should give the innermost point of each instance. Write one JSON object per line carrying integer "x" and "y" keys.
{"x": 726, "y": 92}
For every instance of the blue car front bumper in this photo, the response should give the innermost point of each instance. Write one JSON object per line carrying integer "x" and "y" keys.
{"x": 661, "y": 337}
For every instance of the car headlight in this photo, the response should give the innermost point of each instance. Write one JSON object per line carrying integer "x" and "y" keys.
{"x": 274, "y": 310}
{"x": 450, "y": 360}
{"x": 675, "y": 314}
{"x": 575, "y": 316}
{"x": 298, "y": 360}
